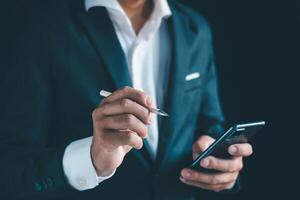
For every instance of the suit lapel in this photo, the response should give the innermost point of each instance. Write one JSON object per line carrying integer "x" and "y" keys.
{"x": 174, "y": 100}
{"x": 102, "y": 36}
{"x": 101, "y": 33}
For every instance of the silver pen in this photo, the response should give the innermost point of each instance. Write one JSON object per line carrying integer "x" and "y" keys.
{"x": 157, "y": 111}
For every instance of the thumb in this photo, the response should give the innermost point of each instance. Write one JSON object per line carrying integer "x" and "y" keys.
{"x": 195, "y": 155}
{"x": 201, "y": 144}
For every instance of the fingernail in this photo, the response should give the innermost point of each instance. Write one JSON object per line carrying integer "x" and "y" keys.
{"x": 186, "y": 173}
{"x": 205, "y": 162}
{"x": 148, "y": 101}
{"x": 232, "y": 149}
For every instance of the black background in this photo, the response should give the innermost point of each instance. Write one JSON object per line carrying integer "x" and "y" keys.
{"x": 257, "y": 46}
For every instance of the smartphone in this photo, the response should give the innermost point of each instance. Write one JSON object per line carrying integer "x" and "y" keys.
{"x": 239, "y": 133}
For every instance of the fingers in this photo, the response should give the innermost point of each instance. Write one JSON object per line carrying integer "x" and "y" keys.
{"x": 202, "y": 143}
{"x": 122, "y": 117}
{"x": 126, "y": 106}
{"x": 125, "y": 122}
{"x": 243, "y": 150}
{"x": 210, "y": 179}
{"x": 130, "y": 93}
{"x": 122, "y": 138}
{"x": 215, "y": 188}
{"x": 223, "y": 165}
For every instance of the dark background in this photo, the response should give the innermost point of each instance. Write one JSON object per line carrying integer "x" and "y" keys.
{"x": 257, "y": 46}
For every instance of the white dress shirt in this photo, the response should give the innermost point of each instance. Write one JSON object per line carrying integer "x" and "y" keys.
{"x": 148, "y": 56}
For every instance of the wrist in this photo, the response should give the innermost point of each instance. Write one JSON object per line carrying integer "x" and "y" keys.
{"x": 100, "y": 171}
{"x": 105, "y": 173}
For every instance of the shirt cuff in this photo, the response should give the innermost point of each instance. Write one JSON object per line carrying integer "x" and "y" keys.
{"x": 78, "y": 166}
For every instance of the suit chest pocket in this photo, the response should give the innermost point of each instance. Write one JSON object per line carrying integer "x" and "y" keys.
{"x": 193, "y": 82}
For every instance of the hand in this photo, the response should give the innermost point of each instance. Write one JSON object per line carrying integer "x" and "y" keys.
{"x": 229, "y": 168}
{"x": 119, "y": 124}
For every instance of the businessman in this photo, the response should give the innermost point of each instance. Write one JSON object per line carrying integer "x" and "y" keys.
{"x": 60, "y": 140}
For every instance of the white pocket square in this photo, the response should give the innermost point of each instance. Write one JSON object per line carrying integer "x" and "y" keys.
{"x": 192, "y": 76}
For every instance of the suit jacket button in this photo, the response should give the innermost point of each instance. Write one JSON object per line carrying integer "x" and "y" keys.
{"x": 38, "y": 187}
{"x": 49, "y": 182}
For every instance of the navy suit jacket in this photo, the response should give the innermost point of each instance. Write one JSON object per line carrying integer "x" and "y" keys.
{"x": 50, "y": 85}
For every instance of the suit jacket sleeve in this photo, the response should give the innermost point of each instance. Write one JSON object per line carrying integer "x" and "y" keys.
{"x": 29, "y": 165}
{"x": 211, "y": 116}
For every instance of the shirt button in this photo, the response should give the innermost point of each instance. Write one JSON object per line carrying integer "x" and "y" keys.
{"x": 81, "y": 182}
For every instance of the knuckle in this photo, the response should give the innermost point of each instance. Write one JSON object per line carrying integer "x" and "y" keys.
{"x": 125, "y": 103}
{"x": 141, "y": 145}
{"x": 229, "y": 179}
{"x": 234, "y": 179}
{"x": 138, "y": 145}
{"x": 95, "y": 113}
{"x": 140, "y": 95}
{"x": 213, "y": 162}
{"x": 104, "y": 138}
{"x": 241, "y": 165}
{"x": 250, "y": 150}
{"x": 130, "y": 138}
{"x": 133, "y": 141}
{"x": 142, "y": 131}
{"x": 215, "y": 180}
{"x": 108, "y": 121}
{"x": 217, "y": 189}
{"x": 102, "y": 108}
{"x": 144, "y": 112}
{"x": 125, "y": 90}
{"x": 200, "y": 146}
{"x": 231, "y": 168}
{"x": 129, "y": 119}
